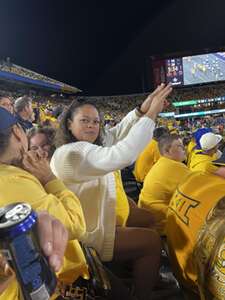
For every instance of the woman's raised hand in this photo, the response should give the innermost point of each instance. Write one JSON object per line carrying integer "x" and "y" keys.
{"x": 158, "y": 100}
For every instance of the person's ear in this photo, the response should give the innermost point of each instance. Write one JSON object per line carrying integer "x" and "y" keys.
{"x": 167, "y": 150}
{"x": 26, "y": 108}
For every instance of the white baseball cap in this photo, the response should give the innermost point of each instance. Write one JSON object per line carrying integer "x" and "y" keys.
{"x": 209, "y": 140}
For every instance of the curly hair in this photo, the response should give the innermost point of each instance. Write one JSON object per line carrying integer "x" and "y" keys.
{"x": 63, "y": 134}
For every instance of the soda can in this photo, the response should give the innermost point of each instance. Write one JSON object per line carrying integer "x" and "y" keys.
{"x": 19, "y": 245}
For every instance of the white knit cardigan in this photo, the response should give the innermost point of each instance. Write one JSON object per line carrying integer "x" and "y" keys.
{"x": 87, "y": 170}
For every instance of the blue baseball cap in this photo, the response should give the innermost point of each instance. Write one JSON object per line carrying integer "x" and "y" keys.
{"x": 198, "y": 134}
{"x": 6, "y": 119}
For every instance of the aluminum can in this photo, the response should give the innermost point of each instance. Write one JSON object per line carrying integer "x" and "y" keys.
{"x": 19, "y": 244}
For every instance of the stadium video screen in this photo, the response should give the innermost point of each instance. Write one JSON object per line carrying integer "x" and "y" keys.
{"x": 190, "y": 70}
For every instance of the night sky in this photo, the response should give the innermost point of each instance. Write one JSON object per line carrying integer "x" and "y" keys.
{"x": 102, "y": 47}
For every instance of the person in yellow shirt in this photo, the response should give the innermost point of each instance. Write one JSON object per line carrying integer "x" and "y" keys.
{"x": 26, "y": 176}
{"x": 149, "y": 155}
{"x": 191, "y": 145}
{"x": 189, "y": 245}
{"x": 42, "y": 190}
{"x": 163, "y": 178}
{"x": 190, "y": 150}
{"x": 202, "y": 159}
{"x": 194, "y": 145}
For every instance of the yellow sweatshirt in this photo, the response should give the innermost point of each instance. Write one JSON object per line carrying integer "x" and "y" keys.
{"x": 159, "y": 186}
{"x": 187, "y": 212}
{"x": 17, "y": 185}
{"x": 202, "y": 162}
{"x": 122, "y": 204}
{"x": 146, "y": 160}
{"x": 190, "y": 150}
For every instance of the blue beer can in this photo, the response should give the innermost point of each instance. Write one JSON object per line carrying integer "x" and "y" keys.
{"x": 19, "y": 245}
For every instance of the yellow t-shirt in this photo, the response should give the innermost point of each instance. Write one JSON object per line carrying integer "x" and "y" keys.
{"x": 190, "y": 151}
{"x": 159, "y": 186}
{"x": 146, "y": 160}
{"x": 17, "y": 185}
{"x": 191, "y": 146}
{"x": 187, "y": 212}
{"x": 122, "y": 205}
{"x": 202, "y": 162}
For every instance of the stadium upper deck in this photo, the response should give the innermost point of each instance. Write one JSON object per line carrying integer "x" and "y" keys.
{"x": 16, "y": 73}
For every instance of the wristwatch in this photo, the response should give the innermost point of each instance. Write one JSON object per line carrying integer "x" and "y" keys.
{"x": 139, "y": 111}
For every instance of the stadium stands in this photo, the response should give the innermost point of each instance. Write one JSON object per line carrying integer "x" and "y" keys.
{"x": 12, "y": 71}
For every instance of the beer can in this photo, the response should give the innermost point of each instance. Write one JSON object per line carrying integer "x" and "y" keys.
{"x": 19, "y": 245}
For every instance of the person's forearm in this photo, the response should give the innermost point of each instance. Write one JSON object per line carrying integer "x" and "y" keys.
{"x": 67, "y": 209}
{"x": 152, "y": 115}
{"x": 121, "y": 130}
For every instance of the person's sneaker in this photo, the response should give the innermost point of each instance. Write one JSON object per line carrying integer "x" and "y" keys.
{"x": 167, "y": 280}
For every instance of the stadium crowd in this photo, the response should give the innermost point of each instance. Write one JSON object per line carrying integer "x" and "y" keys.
{"x": 67, "y": 159}
{"x": 117, "y": 106}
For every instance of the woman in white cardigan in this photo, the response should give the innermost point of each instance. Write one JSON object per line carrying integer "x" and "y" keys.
{"x": 88, "y": 169}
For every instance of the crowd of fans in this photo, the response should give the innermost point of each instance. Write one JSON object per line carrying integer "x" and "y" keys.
{"x": 49, "y": 109}
{"x": 67, "y": 158}
{"x": 116, "y": 107}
